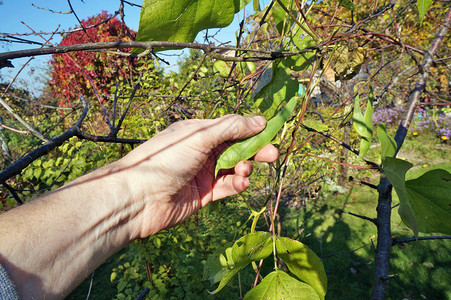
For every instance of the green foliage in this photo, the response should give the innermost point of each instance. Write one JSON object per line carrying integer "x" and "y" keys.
{"x": 363, "y": 124}
{"x": 252, "y": 247}
{"x": 279, "y": 285}
{"x": 280, "y": 89}
{"x": 177, "y": 20}
{"x": 423, "y": 201}
{"x": 178, "y": 257}
{"x": 303, "y": 263}
{"x": 70, "y": 161}
{"x": 348, "y": 4}
{"x": 423, "y": 6}
{"x": 388, "y": 144}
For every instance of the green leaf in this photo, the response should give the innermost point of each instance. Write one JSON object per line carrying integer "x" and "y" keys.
{"x": 423, "y": 6}
{"x": 299, "y": 41}
{"x": 37, "y": 172}
{"x": 256, "y": 5}
{"x": 279, "y": 285}
{"x": 363, "y": 124}
{"x": 216, "y": 267}
{"x": 281, "y": 18}
{"x": 348, "y": 4}
{"x": 222, "y": 68}
{"x": 395, "y": 169}
{"x": 297, "y": 38}
{"x": 181, "y": 20}
{"x": 304, "y": 263}
{"x": 430, "y": 195}
{"x": 280, "y": 89}
{"x": 357, "y": 119}
{"x": 252, "y": 247}
{"x": 424, "y": 202}
{"x": 249, "y": 248}
{"x": 388, "y": 144}
{"x": 251, "y": 66}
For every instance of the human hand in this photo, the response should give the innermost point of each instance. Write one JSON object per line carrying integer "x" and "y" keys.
{"x": 173, "y": 173}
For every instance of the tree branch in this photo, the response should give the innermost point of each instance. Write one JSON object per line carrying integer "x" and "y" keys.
{"x": 208, "y": 49}
{"x": 420, "y": 238}
{"x": 22, "y": 163}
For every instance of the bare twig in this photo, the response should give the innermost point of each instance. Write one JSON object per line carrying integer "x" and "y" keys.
{"x": 75, "y": 130}
{"x": 22, "y": 121}
{"x": 372, "y": 220}
{"x": 14, "y": 129}
{"x": 79, "y": 21}
{"x": 420, "y": 238}
{"x": 52, "y": 11}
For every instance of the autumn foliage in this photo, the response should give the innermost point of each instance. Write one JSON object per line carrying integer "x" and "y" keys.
{"x": 90, "y": 73}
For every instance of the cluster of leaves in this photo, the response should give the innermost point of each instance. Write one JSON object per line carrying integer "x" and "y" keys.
{"x": 83, "y": 73}
{"x": 177, "y": 257}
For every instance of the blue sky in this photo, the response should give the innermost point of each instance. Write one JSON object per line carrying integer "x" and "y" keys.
{"x": 13, "y": 12}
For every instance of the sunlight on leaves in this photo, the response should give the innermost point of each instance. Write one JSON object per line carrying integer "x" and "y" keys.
{"x": 280, "y": 285}
{"x": 181, "y": 20}
{"x": 424, "y": 202}
{"x": 388, "y": 144}
{"x": 249, "y": 248}
{"x": 303, "y": 263}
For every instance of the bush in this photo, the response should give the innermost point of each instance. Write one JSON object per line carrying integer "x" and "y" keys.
{"x": 74, "y": 74}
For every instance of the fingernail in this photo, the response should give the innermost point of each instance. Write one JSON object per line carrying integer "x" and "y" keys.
{"x": 259, "y": 121}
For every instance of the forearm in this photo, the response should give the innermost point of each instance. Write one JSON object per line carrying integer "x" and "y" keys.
{"x": 51, "y": 244}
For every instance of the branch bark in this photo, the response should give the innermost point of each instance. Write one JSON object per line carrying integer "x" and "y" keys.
{"x": 208, "y": 49}
{"x": 384, "y": 241}
{"x": 75, "y": 131}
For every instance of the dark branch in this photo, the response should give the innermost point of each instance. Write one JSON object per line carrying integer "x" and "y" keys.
{"x": 22, "y": 163}
{"x": 13, "y": 193}
{"x": 208, "y": 49}
{"x": 420, "y": 238}
{"x": 372, "y": 220}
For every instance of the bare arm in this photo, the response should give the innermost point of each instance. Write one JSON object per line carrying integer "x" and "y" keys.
{"x": 49, "y": 245}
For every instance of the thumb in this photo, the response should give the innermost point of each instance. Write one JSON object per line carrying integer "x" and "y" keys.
{"x": 234, "y": 127}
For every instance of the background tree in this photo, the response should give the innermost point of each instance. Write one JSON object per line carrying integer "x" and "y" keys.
{"x": 90, "y": 73}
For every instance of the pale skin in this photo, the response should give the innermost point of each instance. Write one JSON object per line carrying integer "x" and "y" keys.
{"x": 49, "y": 245}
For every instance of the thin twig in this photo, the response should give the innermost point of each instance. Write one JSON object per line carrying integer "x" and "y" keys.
{"x": 343, "y": 252}
{"x": 372, "y": 220}
{"x": 22, "y": 121}
{"x": 52, "y": 11}
{"x": 79, "y": 21}
{"x": 420, "y": 238}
